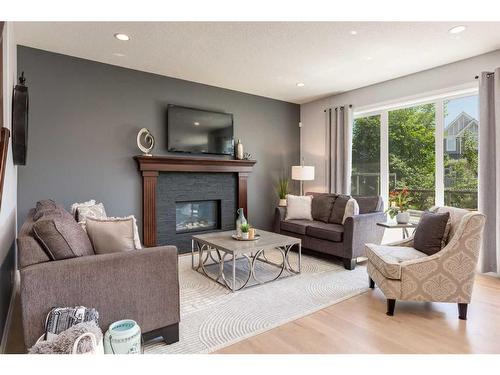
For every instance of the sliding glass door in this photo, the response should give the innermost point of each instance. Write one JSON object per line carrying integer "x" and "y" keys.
{"x": 430, "y": 148}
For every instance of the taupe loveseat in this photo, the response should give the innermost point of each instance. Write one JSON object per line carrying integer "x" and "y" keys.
{"x": 346, "y": 241}
{"x": 142, "y": 285}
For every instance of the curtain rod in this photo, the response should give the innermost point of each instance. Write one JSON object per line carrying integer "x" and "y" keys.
{"x": 488, "y": 75}
{"x": 350, "y": 106}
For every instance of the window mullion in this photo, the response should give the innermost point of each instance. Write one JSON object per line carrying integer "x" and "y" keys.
{"x": 439, "y": 153}
{"x": 384, "y": 157}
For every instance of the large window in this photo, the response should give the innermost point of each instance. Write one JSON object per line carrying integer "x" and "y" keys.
{"x": 365, "y": 178}
{"x": 412, "y": 153}
{"x": 430, "y": 147}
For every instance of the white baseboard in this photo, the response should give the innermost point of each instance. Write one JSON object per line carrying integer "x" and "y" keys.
{"x": 8, "y": 321}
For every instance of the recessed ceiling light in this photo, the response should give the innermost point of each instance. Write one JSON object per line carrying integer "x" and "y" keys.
{"x": 457, "y": 29}
{"x": 196, "y": 123}
{"x": 117, "y": 54}
{"x": 353, "y": 32}
{"x": 301, "y": 84}
{"x": 368, "y": 58}
{"x": 121, "y": 36}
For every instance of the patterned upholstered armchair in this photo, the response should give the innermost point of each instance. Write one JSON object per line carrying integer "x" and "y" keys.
{"x": 404, "y": 273}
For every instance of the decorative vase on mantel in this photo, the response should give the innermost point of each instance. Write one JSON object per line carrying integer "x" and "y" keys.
{"x": 240, "y": 220}
{"x": 239, "y": 150}
{"x": 403, "y": 217}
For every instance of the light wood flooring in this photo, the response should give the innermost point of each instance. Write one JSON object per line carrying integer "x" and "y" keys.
{"x": 359, "y": 325}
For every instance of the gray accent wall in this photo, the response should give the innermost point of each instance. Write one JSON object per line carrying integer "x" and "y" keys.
{"x": 83, "y": 121}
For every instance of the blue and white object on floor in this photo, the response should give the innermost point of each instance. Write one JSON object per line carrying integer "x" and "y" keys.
{"x": 123, "y": 337}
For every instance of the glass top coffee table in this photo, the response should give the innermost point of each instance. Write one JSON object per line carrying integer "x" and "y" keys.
{"x": 240, "y": 264}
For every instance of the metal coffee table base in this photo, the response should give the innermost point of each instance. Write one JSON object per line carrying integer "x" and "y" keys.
{"x": 210, "y": 256}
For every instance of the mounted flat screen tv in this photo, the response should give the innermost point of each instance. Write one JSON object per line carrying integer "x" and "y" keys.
{"x": 197, "y": 131}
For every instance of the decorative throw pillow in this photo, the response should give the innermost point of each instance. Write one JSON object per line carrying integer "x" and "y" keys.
{"x": 112, "y": 235}
{"x": 351, "y": 209}
{"x": 322, "y": 207}
{"x": 46, "y": 208}
{"x": 338, "y": 209}
{"x": 137, "y": 239}
{"x": 62, "y": 237}
{"x": 298, "y": 207}
{"x": 430, "y": 232}
{"x": 75, "y": 206}
{"x": 94, "y": 211}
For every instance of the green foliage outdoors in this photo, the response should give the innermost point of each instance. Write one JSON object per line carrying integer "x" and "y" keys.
{"x": 412, "y": 158}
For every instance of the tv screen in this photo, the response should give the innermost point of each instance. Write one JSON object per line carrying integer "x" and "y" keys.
{"x": 199, "y": 132}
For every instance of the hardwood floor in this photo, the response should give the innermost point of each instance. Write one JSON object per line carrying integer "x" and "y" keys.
{"x": 360, "y": 325}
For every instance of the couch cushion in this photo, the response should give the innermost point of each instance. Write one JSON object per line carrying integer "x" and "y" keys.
{"x": 62, "y": 237}
{"x": 387, "y": 259}
{"x": 369, "y": 204}
{"x": 338, "y": 210}
{"x": 295, "y": 226}
{"x": 325, "y": 231}
{"x": 30, "y": 252}
{"x": 44, "y": 207}
{"x": 322, "y": 207}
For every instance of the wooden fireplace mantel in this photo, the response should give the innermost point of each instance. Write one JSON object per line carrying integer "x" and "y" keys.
{"x": 151, "y": 166}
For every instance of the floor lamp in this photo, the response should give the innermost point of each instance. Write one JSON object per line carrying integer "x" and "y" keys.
{"x": 302, "y": 173}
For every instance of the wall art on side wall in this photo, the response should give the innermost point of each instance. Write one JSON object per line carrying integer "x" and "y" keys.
{"x": 20, "y": 107}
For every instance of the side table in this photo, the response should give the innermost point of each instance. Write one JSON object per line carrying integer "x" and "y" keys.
{"x": 404, "y": 227}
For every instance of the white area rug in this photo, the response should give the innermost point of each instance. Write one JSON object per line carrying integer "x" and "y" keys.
{"x": 212, "y": 317}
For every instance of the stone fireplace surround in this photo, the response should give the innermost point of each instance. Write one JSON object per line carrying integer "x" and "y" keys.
{"x": 177, "y": 187}
{"x": 167, "y": 179}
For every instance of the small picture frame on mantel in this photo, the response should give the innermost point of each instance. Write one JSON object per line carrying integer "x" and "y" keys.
{"x": 4, "y": 146}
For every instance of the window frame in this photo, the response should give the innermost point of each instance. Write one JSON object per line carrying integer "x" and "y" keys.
{"x": 382, "y": 110}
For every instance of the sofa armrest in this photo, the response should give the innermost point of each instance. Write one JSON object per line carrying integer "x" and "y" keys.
{"x": 279, "y": 215}
{"x": 142, "y": 285}
{"x": 362, "y": 229}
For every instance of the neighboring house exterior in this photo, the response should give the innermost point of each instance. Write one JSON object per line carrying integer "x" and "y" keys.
{"x": 454, "y": 132}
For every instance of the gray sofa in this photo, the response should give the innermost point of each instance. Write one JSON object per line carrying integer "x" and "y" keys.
{"x": 142, "y": 285}
{"x": 346, "y": 241}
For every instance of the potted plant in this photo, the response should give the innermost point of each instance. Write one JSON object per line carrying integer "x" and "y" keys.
{"x": 245, "y": 228}
{"x": 282, "y": 190}
{"x": 399, "y": 204}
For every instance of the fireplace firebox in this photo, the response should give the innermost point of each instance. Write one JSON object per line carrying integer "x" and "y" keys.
{"x": 197, "y": 216}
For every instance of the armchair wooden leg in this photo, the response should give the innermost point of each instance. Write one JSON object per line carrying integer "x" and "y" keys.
{"x": 462, "y": 311}
{"x": 391, "y": 304}
{"x": 349, "y": 264}
{"x": 372, "y": 283}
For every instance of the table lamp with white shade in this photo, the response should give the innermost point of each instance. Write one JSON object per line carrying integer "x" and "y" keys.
{"x": 302, "y": 173}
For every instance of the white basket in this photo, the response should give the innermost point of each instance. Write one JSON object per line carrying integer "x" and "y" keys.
{"x": 97, "y": 347}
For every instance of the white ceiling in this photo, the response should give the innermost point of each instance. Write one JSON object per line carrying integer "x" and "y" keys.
{"x": 268, "y": 58}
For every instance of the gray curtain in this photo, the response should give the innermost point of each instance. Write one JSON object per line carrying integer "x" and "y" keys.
{"x": 340, "y": 149}
{"x": 489, "y": 168}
